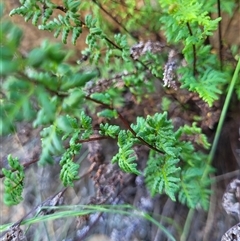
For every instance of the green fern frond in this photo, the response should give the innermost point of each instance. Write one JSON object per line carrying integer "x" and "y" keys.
{"x": 72, "y": 5}
{"x": 69, "y": 22}
{"x": 51, "y": 144}
{"x": 195, "y": 134}
{"x": 69, "y": 173}
{"x": 188, "y": 152}
{"x": 27, "y": 9}
{"x": 76, "y": 80}
{"x": 77, "y": 129}
{"x": 194, "y": 191}
{"x": 16, "y": 104}
{"x": 85, "y": 125}
{"x": 102, "y": 97}
{"x": 48, "y": 106}
{"x": 126, "y": 156}
{"x": 121, "y": 41}
{"x": 70, "y": 169}
{"x": 14, "y": 182}
{"x": 191, "y": 12}
{"x": 85, "y": 120}
{"x": 109, "y": 130}
{"x": 67, "y": 124}
{"x": 109, "y": 114}
{"x": 74, "y": 130}
{"x": 188, "y": 22}
{"x": 41, "y": 87}
{"x": 158, "y": 131}
{"x": 209, "y": 86}
{"x": 161, "y": 174}
{"x": 187, "y": 194}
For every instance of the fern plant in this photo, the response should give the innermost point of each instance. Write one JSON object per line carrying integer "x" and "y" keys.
{"x": 45, "y": 89}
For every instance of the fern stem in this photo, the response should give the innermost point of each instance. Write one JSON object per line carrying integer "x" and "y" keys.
{"x": 63, "y": 9}
{"x": 111, "y": 16}
{"x": 194, "y": 51}
{"x": 220, "y": 43}
{"x": 126, "y": 124}
{"x": 24, "y": 77}
{"x": 94, "y": 139}
{"x": 222, "y": 117}
{"x": 135, "y": 134}
{"x": 187, "y": 225}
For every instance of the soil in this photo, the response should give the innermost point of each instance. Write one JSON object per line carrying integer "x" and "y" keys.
{"x": 102, "y": 182}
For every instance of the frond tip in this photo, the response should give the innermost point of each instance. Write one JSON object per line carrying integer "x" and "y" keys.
{"x": 13, "y": 183}
{"x": 126, "y": 156}
{"x": 69, "y": 172}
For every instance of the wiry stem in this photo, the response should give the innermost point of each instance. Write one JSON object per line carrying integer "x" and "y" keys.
{"x": 111, "y": 16}
{"x": 125, "y": 122}
{"x": 220, "y": 35}
{"x": 63, "y": 9}
{"x": 194, "y": 52}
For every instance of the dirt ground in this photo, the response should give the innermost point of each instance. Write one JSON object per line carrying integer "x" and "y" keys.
{"x": 43, "y": 182}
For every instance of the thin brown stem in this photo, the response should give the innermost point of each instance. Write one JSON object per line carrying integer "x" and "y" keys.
{"x": 135, "y": 134}
{"x": 126, "y": 124}
{"x": 35, "y": 159}
{"x": 111, "y": 16}
{"x": 105, "y": 37}
{"x": 63, "y": 9}
{"x": 24, "y": 77}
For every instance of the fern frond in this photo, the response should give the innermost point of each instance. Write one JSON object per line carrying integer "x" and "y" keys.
{"x": 28, "y": 9}
{"x": 102, "y": 97}
{"x": 195, "y": 134}
{"x": 86, "y": 121}
{"x": 77, "y": 80}
{"x": 126, "y": 156}
{"x": 161, "y": 174}
{"x": 51, "y": 144}
{"x": 17, "y": 106}
{"x": 121, "y": 41}
{"x": 158, "y": 131}
{"x": 69, "y": 22}
{"x": 14, "y": 182}
{"x": 188, "y": 193}
{"x": 191, "y": 12}
{"x": 209, "y": 86}
{"x": 74, "y": 130}
{"x": 109, "y": 130}
{"x": 69, "y": 173}
{"x": 193, "y": 190}
{"x": 109, "y": 114}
